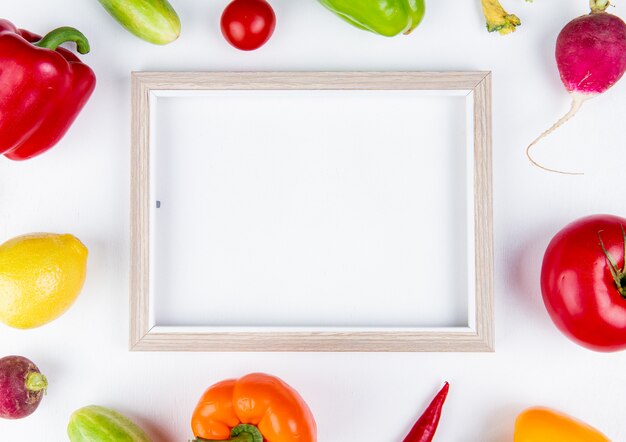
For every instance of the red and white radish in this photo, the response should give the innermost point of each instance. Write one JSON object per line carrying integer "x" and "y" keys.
{"x": 591, "y": 57}
{"x": 22, "y": 386}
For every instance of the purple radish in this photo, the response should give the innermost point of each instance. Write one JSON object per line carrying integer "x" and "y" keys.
{"x": 22, "y": 386}
{"x": 591, "y": 57}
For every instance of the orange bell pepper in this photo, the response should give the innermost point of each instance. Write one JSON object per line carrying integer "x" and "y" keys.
{"x": 255, "y": 408}
{"x": 544, "y": 425}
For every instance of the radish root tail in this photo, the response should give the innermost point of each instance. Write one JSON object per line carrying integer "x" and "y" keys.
{"x": 577, "y": 102}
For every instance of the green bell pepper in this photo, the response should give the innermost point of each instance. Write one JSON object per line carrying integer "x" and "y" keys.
{"x": 384, "y": 17}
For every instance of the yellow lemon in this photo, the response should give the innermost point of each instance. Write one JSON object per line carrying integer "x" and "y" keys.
{"x": 41, "y": 275}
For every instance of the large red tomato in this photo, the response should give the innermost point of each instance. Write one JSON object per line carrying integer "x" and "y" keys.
{"x": 248, "y": 24}
{"x": 583, "y": 282}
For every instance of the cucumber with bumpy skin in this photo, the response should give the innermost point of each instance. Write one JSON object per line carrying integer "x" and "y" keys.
{"x": 154, "y": 21}
{"x": 100, "y": 424}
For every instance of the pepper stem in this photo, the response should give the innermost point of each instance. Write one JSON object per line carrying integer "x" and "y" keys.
{"x": 599, "y": 5}
{"x": 498, "y": 19}
{"x": 35, "y": 381}
{"x": 619, "y": 275}
{"x": 54, "y": 39}
{"x": 241, "y": 433}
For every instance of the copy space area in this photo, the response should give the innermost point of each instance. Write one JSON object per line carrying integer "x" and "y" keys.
{"x": 310, "y": 209}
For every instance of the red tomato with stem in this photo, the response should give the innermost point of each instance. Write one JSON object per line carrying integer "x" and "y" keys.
{"x": 248, "y": 24}
{"x": 583, "y": 282}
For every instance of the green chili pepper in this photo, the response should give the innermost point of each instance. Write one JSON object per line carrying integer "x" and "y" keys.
{"x": 384, "y": 17}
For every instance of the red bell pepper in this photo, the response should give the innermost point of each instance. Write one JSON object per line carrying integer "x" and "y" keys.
{"x": 42, "y": 88}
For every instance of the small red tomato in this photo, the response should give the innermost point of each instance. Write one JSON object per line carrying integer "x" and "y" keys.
{"x": 248, "y": 24}
{"x": 583, "y": 282}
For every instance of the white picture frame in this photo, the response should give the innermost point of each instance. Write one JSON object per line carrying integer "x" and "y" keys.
{"x": 147, "y": 334}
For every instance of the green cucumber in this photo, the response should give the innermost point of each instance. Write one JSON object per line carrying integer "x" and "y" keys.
{"x": 100, "y": 424}
{"x": 154, "y": 21}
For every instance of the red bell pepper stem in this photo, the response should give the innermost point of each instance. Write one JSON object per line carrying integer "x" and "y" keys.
{"x": 54, "y": 39}
{"x": 241, "y": 433}
{"x": 425, "y": 427}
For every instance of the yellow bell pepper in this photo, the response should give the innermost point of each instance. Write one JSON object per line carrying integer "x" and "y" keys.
{"x": 544, "y": 425}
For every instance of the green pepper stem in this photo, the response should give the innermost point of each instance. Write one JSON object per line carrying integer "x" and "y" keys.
{"x": 241, "y": 433}
{"x": 243, "y": 437}
{"x": 35, "y": 381}
{"x": 599, "y": 5}
{"x": 498, "y": 19}
{"x": 54, "y": 39}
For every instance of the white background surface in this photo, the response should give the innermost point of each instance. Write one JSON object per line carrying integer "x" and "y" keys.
{"x": 82, "y": 187}
{"x": 306, "y": 208}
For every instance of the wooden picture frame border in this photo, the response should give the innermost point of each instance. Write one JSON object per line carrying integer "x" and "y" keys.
{"x": 144, "y": 336}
